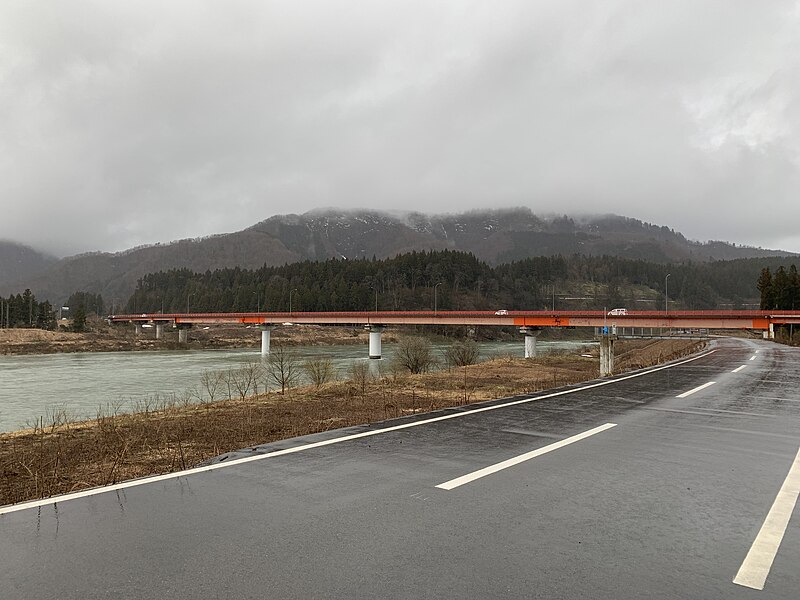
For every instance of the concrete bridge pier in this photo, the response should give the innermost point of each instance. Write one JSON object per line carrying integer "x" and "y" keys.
{"x": 159, "y": 330}
{"x": 607, "y": 355}
{"x": 183, "y": 332}
{"x": 531, "y": 333}
{"x": 265, "y": 337}
{"x": 375, "y": 340}
{"x": 138, "y": 327}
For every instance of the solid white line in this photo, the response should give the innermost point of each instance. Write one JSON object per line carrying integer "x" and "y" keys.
{"x": 737, "y": 369}
{"x": 469, "y": 477}
{"x": 697, "y": 389}
{"x": 755, "y": 568}
{"x": 222, "y": 465}
{"x": 753, "y": 357}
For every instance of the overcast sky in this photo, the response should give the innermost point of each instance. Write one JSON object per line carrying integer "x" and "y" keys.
{"x": 123, "y": 123}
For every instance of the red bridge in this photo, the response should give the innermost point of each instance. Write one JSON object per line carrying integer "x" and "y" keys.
{"x": 693, "y": 319}
{"x": 609, "y": 325}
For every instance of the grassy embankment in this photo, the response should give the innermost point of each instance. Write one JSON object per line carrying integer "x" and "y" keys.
{"x": 58, "y": 456}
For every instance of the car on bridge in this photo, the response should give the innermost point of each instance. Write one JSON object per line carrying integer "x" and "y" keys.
{"x": 616, "y": 312}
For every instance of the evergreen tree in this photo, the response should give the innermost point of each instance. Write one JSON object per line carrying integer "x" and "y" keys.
{"x": 794, "y": 288}
{"x": 79, "y": 319}
{"x": 764, "y": 286}
{"x": 781, "y": 289}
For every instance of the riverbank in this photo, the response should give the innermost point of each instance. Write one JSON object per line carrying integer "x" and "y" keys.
{"x": 58, "y": 456}
{"x": 102, "y": 337}
{"x": 119, "y": 338}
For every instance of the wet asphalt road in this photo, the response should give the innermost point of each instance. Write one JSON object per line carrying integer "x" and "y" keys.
{"x": 664, "y": 505}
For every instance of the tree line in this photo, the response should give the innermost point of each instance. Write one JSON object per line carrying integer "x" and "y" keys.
{"x": 780, "y": 291}
{"x": 451, "y": 280}
{"x": 447, "y": 280}
{"x": 24, "y": 310}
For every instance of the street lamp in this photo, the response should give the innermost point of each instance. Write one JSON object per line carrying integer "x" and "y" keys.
{"x": 188, "y": 294}
{"x": 290, "y": 299}
{"x": 435, "y": 298}
{"x": 666, "y": 295}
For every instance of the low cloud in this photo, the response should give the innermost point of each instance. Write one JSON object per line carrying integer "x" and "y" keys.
{"x": 125, "y": 124}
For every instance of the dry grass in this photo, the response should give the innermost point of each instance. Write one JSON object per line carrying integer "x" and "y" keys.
{"x": 57, "y": 456}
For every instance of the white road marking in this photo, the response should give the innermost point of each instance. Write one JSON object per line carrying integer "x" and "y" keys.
{"x": 737, "y": 369}
{"x": 345, "y": 438}
{"x": 753, "y": 357}
{"x": 469, "y": 477}
{"x": 697, "y": 389}
{"x": 755, "y": 568}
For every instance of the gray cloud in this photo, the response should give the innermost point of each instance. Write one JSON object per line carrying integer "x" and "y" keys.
{"x": 129, "y": 123}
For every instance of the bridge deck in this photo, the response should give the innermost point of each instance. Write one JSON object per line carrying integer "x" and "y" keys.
{"x": 712, "y": 319}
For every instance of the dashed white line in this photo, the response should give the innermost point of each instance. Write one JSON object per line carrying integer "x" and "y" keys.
{"x": 758, "y": 562}
{"x": 224, "y": 465}
{"x": 737, "y": 369}
{"x": 469, "y": 477}
{"x": 697, "y": 389}
{"x": 753, "y": 357}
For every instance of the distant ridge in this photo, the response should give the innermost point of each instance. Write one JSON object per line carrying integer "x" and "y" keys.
{"x": 495, "y": 236}
{"x": 18, "y": 261}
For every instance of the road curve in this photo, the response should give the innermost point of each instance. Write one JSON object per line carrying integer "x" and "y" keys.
{"x": 667, "y": 484}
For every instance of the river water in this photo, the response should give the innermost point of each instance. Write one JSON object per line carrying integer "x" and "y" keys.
{"x": 79, "y": 384}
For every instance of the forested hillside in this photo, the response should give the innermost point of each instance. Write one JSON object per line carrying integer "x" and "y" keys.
{"x": 407, "y": 282}
{"x": 494, "y": 236}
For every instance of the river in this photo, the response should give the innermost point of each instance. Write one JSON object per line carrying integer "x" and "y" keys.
{"x": 79, "y": 384}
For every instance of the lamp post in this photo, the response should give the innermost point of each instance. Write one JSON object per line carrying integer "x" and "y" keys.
{"x": 435, "y": 298}
{"x": 666, "y": 294}
{"x": 188, "y": 295}
{"x": 290, "y": 299}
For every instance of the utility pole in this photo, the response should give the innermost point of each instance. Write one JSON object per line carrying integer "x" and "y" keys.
{"x": 435, "y": 299}
{"x": 666, "y": 295}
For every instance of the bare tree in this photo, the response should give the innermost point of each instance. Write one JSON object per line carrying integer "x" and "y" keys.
{"x": 361, "y": 376}
{"x": 319, "y": 370}
{"x": 227, "y": 378}
{"x": 462, "y": 353}
{"x": 283, "y": 367}
{"x": 245, "y": 379}
{"x": 211, "y": 380}
{"x": 415, "y": 354}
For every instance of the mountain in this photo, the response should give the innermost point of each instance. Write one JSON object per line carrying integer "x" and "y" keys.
{"x": 495, "y": 236}
{"x": 18, "y": 261}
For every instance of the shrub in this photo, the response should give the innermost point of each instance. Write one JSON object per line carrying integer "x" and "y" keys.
{"x": 415, "y": 354}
